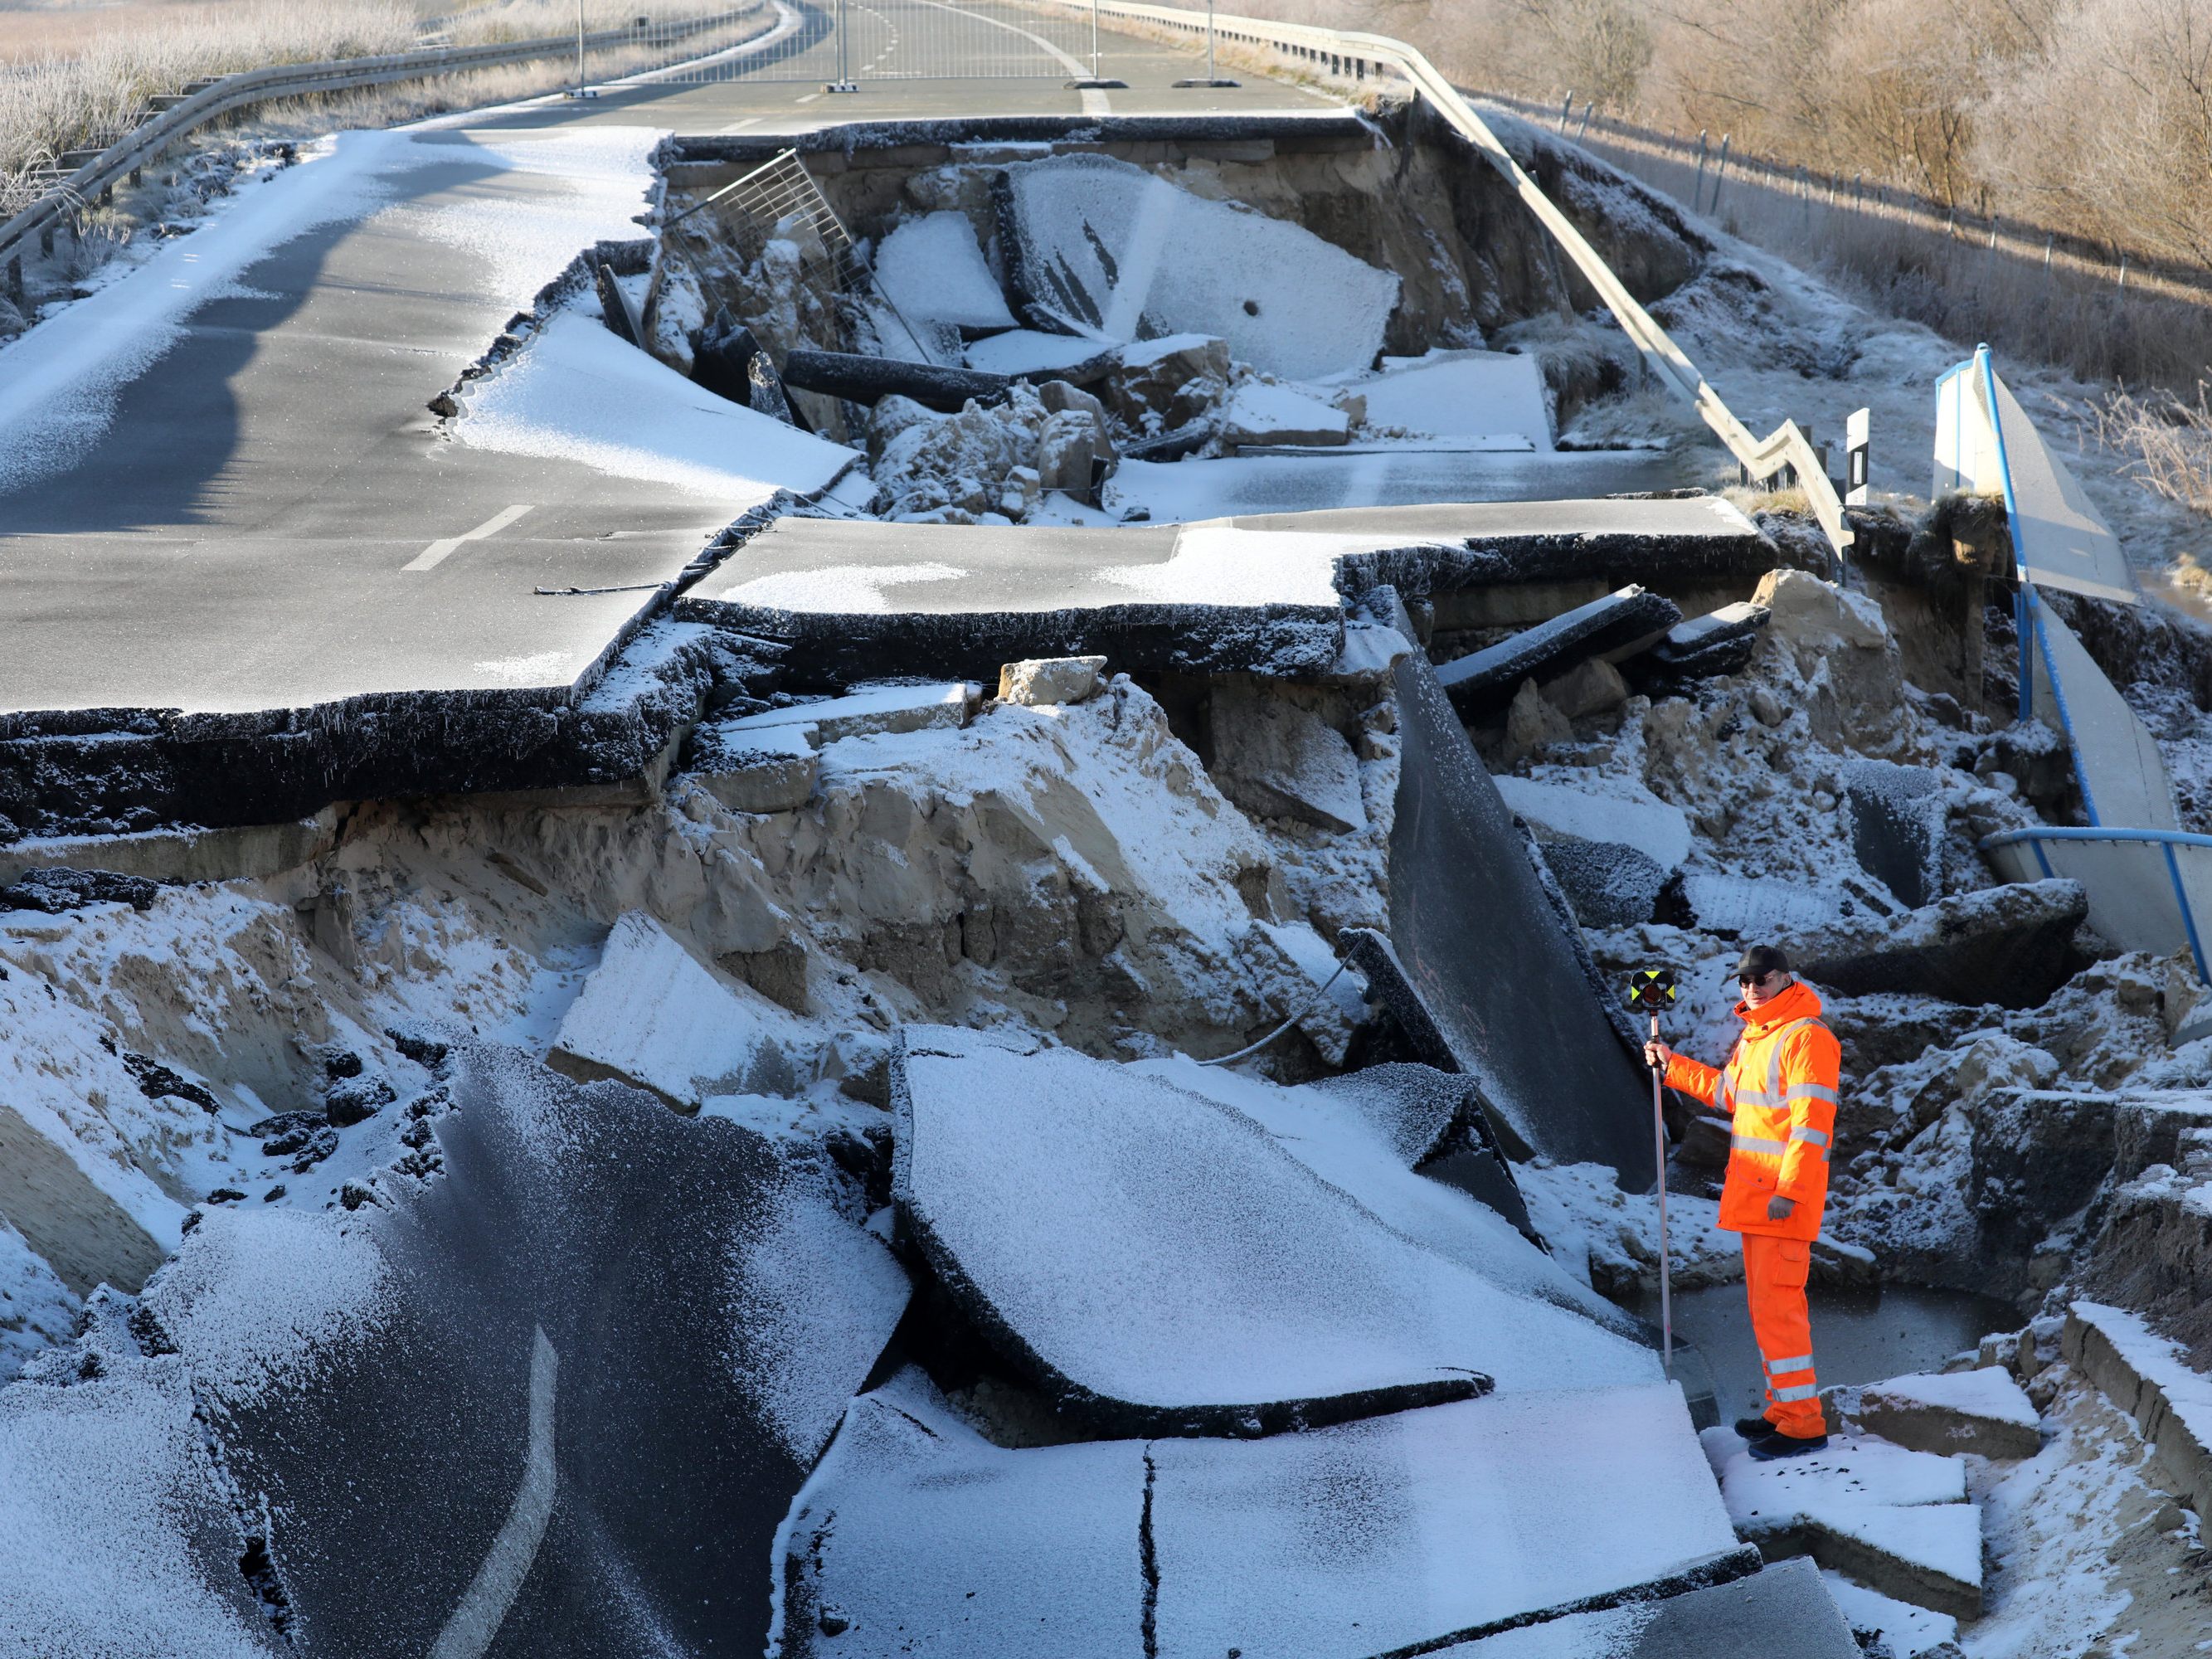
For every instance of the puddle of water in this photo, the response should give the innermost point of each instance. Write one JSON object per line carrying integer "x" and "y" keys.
{"x": 1857, "y": 1338}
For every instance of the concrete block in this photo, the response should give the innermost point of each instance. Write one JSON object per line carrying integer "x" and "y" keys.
{"x": 1981, "y": 1410}
{"x": 1257, "y": 413}
{"x": 2145, "y": 1376}
{"x": 1038, "y": 680}
{"x": 769, "y": 770}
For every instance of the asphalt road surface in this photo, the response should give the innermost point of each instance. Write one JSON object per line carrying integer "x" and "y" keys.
{"x": 237, "y": 534}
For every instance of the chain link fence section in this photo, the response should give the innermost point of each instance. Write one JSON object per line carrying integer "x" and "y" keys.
{"x": 779, "y": 200}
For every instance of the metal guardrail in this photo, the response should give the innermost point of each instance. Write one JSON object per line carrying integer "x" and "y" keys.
{"x": 231, "y": 92}
{"x": 1354, "y": 55}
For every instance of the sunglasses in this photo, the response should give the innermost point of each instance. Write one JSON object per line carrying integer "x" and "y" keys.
{"x": 1749, "y": 979}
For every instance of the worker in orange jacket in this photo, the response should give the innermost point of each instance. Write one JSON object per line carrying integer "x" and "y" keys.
{"x": 1778, "y": 1089}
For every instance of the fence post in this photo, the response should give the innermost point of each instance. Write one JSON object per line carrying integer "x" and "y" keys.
{"x": 1582, "y": 131}
{"x": 1855, "y": 446}
{"x": 2047, "y": 242}
{"x": 1720, "y": 172}
{"x": 2123, "y": 276}
{"x": 1698, "y": 190}
{"x": 1565, "y": 110}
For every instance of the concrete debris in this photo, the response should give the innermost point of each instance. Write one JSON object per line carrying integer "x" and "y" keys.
{"x": 863, "y": 379}
{"x": 1848, "y": 674}
{"x": 990, "y": 463}
{"x": 1557, "y": 812}
{"x": 1479, "y": 398}
{"x": 1178, "y": 443}
{"x": 1607, "y": 886}
{"x": 1086, "y": 240}
{"x": 2013, "y": 945}
{"x": 932, "y": 271}
{"x": 2149, "y": 1379}
{"x": 761, "y": 769}
{"x": 1038, "y": 682}
{"x": 1981, "y": 1411}
{"x": 919, "y": 1534}
{"x": 1587, "y": 1521}
{"x": 1024, "y": 354}
{"x": 1593, "y": 686}
{"x": 653, "y": 1016}
{"x": 730, "y": 362}
{"x": 1167, "y": 386}
{"x": 1256, "y": 413}
{"x": 1434, "y": 1122}
{"x": 1532, "y": 724}
{"x": 1276, "y": 757}
{"x": 1485, "y": 681}
{"x": 616, "y": 306}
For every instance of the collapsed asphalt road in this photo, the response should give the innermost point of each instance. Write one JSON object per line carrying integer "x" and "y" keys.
{"x": 606, "y": 1346}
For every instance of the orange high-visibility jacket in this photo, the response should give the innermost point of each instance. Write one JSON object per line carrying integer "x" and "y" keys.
{"x": 1778, "y": 1091}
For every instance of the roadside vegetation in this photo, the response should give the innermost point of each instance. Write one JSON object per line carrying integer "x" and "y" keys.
{"x": 75, "y": 75}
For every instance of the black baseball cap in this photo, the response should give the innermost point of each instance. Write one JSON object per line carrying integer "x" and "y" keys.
{"x": 1760, "y": 960}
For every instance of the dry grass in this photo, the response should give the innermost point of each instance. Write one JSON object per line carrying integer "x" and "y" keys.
{"x": 82, "y": 76}
{"x": 2166, "y": 441}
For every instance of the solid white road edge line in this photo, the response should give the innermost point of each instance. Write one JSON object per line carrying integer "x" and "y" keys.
{"x": 436, "y": 554}
{"x": 484, "y": 1606}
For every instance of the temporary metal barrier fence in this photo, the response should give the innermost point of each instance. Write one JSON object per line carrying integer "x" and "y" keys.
{"x": 842, "y": 44}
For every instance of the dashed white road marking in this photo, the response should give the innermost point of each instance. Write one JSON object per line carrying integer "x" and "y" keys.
{"x": 739, "y": 126}
{"x": 484, "y": 1604}
{"x": 437, "y": 552}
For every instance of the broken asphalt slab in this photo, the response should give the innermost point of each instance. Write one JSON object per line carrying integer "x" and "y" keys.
{"x": 1396, "y": 1535}
{"x": 554, "y": 1401}
{"x": 1485, "y": 681}
{"x": 1482, "y": 970}
{"x": 859, "y": 598}
{"x": 1157, "y": 1262}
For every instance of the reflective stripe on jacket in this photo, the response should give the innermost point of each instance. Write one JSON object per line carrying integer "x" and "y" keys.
{"x": 1778, "y": 1091}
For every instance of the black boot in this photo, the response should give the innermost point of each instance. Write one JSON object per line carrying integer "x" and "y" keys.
{"x": 1779, "y": 1445}
{"x": 1754, "y": 1428}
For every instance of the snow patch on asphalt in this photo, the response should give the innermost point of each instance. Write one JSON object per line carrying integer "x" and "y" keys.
{"x": 576, "y": 393}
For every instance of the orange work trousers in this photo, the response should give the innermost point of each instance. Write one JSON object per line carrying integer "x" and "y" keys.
{"x": 1774, "y": 1272}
